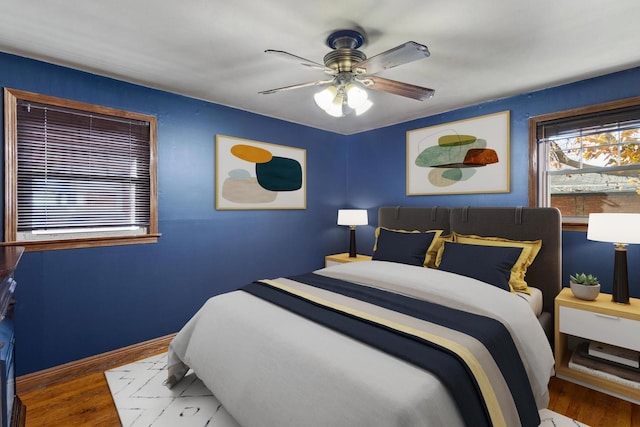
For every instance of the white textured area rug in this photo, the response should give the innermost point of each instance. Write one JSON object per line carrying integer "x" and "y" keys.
{"x": 143, "y": 400}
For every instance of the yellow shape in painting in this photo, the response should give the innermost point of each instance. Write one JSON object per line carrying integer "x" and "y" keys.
{"x": 251, "y": 154}
{"x": 456, "y": 140}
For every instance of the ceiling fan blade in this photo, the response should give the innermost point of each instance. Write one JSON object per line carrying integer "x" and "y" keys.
{"x": 397, "y": 88}
{"x": 297, "y": 86}
{"x": 300, "y": 60}
{"x": 407, "y": 52}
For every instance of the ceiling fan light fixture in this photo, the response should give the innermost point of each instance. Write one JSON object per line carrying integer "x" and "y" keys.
{"x": 330, "y": 100}
{"x": 325, "y": 97}
{"x": 343, "y": 100}
{"x": 355, "y": 95}
{"x": 358, "y": 99}
{"x": 363, "y": 107}
{"x": 335, "y": 108}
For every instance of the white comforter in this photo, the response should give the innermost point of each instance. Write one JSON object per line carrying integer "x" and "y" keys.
{"x": 272, "y": 368}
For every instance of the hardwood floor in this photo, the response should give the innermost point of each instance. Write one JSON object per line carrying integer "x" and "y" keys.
{"x": 83, "y": 401}
{"x": 86, "y": 401}
{"x": 591, "y": 407}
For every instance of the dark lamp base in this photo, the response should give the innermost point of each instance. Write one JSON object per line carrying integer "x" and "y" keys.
{"x": 352, "y": 242}
{"x": 620, "y": 293}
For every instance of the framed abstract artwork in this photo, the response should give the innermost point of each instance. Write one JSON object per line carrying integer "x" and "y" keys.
{"x": 259, "y": 175}
{"x": 467, "y": 156}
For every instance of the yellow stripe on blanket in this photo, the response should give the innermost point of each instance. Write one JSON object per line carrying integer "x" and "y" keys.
{"x": 474, "y": 365}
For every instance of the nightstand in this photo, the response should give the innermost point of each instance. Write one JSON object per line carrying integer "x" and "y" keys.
{"x": 330, "y": 260}
{"x": 601, "y": 320}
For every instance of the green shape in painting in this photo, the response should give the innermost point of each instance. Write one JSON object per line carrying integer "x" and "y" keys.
{"x": 454, "y": 140}
{"x": 452, "y": 174}
{"x": 438, "y": 155}
{"x": 447, "y": 177}
{"x": 279, "y": 174}
{"x": 457, "y": 174}
{"x": 240, "y": 174}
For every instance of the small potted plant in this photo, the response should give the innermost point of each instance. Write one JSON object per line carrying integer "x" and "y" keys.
{"x": 584, "y": 286}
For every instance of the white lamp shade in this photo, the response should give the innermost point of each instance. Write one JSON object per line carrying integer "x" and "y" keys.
{"x": 352, "y": 217}
{"x": 614, "y": 227}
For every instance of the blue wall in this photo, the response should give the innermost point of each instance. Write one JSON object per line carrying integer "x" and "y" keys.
{"x": 77, "y": 303}
{"x": 377, "y": 166}
{"x": 80, "y": 302}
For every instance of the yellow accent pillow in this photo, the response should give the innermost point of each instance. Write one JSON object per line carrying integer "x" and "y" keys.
{"x": 430, "y": 255}
{"x": 530, "y": 249}
{"x": 437, "y": 249}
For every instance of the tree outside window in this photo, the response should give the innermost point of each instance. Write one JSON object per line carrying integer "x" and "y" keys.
{"x": 588, "y": 160}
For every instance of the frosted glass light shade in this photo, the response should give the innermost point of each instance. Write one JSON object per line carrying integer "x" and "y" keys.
{"x": 352, "y": 217}
{"x": 614, "y": 227}
{"x": 334, "y": 101}
{"x": 358, "y": 99}
{"x": 325, "y": 97}
{"x": 355, "y": 95}
{"x": 363, "y": 107}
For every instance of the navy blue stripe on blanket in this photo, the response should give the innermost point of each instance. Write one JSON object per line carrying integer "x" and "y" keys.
{"x": 446, "y": 365}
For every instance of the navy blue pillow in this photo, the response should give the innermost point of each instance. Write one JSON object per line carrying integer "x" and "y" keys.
{"x": 403, "y": 247}
{"x": 490, "y": 264}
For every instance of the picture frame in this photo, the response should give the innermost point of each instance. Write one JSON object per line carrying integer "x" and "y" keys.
{"x": 258, "y": 175}
{"x": 461, "y": 157}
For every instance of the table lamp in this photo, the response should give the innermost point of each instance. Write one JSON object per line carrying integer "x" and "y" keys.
{"x": 620, "y": 229}
{"x": 352, "y": 217}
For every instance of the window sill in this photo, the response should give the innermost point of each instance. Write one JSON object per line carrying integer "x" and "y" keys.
{"x": 574, "y": 226}
{"x": 84, "y": 243}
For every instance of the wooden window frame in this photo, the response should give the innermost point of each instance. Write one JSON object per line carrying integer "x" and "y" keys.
{"x": 11, "y": 97}
{"x": 534, "y": 166}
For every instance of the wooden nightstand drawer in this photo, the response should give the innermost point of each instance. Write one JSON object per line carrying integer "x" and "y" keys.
{"x": 600, "y": 327}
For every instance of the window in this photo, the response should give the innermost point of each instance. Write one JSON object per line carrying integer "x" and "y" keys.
{"x": 587, "y": 160}
{"x": 77, "y": 175}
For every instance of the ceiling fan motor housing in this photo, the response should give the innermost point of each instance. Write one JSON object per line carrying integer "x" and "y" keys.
{"x": 345, "y": 54}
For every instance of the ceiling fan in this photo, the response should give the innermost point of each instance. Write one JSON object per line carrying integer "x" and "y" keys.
{"x": 351, "y": 71}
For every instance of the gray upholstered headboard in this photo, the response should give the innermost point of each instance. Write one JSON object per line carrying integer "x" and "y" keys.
{"x": 517, "y": 223}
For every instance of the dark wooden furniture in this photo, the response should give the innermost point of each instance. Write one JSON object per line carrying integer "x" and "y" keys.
{"x": 12, "y": 411}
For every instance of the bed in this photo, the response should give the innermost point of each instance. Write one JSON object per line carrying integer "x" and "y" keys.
{"x": 390, "y": 342}
{"x": 517, "y": 223}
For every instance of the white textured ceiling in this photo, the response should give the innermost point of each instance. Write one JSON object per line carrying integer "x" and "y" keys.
{"x": 214, "y": 50}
